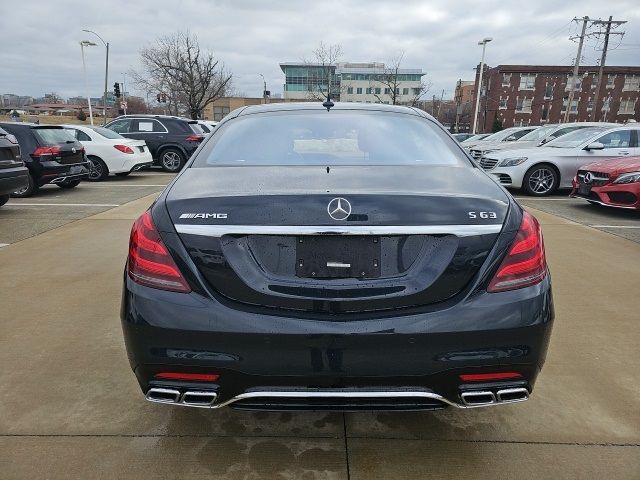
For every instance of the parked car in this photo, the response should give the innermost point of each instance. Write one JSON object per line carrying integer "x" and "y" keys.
{"x": 614, "y": 183}
{"x": 51, "y": 154}
{"x": 109, "y": 152}
{"x": 345, "y": 259}
{"x": 207, "y": 125}
{"x": 542, "y": 170}
{"x": 475, "y": 138}
{"x": 535, "y": 138}
{"x": 461, "y": 137}
{"x": 13, "y": 173}
{"x": 171, "y": 140}
{"x": 507, "y": 135}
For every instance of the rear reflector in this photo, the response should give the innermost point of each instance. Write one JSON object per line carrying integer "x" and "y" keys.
{"x": 525, "y": 264}
{"x": 190, "y": 377}
{"x": 488, "y": 377}
{"x": 149, "y": 261}
{"x": 123, "y": 148}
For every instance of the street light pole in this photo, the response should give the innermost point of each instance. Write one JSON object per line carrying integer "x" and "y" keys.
{"x": 86, "y": 43}
{"x": 482, "y": 42}
{"x": 264, "y": 89}
{"x": 106, "y": 77}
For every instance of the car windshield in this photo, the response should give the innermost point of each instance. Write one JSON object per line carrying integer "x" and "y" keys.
{"x": 538, "y": 134}
{"x": 576, "y": 138}
{"x": 197, "y": 128}
{"x": 106, "y": 133}
{"x": 499, "y": 136}
{"x": 476, "y": 138}
{"x": 54, "y": 136}
{"x": 330, "y": 138}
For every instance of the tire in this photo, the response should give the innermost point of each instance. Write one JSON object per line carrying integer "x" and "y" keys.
{"x": 541, "y": 180}
{"x": 122, "y": 174}
{"x": 4, "y": 199}
{"x": 27, "y": 191}
{"x": 172, "y": 160}
{"x": 98, "y": 170}
{"x": 69, "y": 184}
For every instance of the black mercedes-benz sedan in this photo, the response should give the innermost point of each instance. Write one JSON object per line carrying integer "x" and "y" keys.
{"x": 347, "y": 257}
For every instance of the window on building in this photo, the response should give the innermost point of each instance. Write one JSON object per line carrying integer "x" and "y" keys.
{"x": 631, "y": 83}
{"x": 589, "y": 104}
{"x": 545, "y": 113}
{"x": 627, "y": 106}
{"x": 417, "y": 91}
{"x": 506, "y": 79}
{"x": 574, "y": 105}
{"x": 527, "y": 82}
{"x": 220, "y": 112}
{"x": 377, "y": 90}
{"x": 405, "y": 91}
{"x": 359, "y": 91}
{"x": 578, "y": 85}
{"x": 397, "y": 91}
{"x": 523, "y": 105}
{"x": 503, "y": 103}
{"x": 369, "y": 90}
{"x": 548, "y": 90}
{"x": 387, "y": 91}
{"x": 349, "y": 90}
{"x": 611, "y": 80}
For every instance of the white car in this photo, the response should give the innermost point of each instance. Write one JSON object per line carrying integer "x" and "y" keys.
{"x": 536, "y": 138}
{"x": 542, "y": 170}
{"x": 109, "y": 152}
{"x": 510, "y": 134}
{"x": 207, "y": 126}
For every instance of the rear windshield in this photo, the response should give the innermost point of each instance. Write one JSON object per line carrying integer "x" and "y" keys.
{"x": 106, "y": 133}
{"x": 53, "y": 136}
{"x": 330, "y": 138}
{"x": 197, "y": 128}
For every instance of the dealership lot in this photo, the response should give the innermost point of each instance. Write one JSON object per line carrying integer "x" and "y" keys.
{"x": 69, "y": 395}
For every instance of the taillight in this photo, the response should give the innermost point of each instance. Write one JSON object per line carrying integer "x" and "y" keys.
{"x": 194, "y": 138}
{"x": 42, "y": 151}
{"x": 189, "y": 377}
{"x": 149, "y": 262}
{"x": 489, "y": 377}
{"x": 123, "y": 148}
{"x": 525, "y": 264}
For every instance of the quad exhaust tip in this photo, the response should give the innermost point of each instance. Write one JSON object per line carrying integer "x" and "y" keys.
{"x": 190, "y": 398}
{"x": 483, "y": 398}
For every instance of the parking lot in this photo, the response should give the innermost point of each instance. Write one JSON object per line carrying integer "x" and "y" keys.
{"x": 70, "y": 406}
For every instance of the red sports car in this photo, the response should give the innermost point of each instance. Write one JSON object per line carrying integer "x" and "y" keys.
{"x": 615, "y": 183}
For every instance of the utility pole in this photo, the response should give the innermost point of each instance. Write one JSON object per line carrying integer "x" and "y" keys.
{"x": 458, "y": 104}
{"x": 576, "y": 67}
{"x": 603, "y": 59}
{"x": 482, "y": 42}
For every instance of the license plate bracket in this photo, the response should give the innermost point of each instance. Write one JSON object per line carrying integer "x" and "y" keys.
{"x": 338, "y": 256}
{"x": 584, "y": 189}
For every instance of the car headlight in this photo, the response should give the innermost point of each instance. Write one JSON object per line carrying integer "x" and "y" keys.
{"x": 512, "y": 162}
{"x": 632, "y": 177}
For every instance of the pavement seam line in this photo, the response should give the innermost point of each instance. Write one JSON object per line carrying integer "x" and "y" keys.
{"x": 346, "y": 445}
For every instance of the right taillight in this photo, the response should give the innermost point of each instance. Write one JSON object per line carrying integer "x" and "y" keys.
{"x": 149, "y": 261}
{"x": 123, "y": 148}
{"x": 525, "y": 264}
{"x": 42, "y": 151}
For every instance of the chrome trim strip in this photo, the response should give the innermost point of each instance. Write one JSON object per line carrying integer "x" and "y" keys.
{"x": 220, "y": 230}
{"x": 418, "y": 394}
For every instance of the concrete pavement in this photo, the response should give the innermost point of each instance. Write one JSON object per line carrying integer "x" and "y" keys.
{"x": 71, "y": 408}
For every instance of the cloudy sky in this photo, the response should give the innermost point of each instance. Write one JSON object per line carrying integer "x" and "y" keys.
{"x": 39, "y": 49}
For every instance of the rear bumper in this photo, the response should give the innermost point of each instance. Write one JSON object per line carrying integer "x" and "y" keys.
{"x": 54, "y": 172}
{"x": 12, "y": 179}
{"x": 420, "y": 353}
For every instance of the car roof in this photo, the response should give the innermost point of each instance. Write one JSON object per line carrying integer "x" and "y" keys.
{"x": 159, "y": 117}
{"x": 317, "y": 106}
{"x": 28, "y": 124}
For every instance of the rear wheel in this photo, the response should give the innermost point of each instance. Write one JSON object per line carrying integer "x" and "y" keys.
{"x": 541, "y": 180}
{"x": 122, "y": 174}
{"x": 3, "y": 199}
{"x": 171, "y": 160}
{"x": 69, "y": 184}
{"x": 98, "y": 170}
{"x": 28, "y": 190}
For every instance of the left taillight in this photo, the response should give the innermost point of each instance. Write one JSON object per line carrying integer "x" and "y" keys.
{"x": 123, "y": 148}
{"x": 194, "y": 138}
{"x": 149, "y": 261}
{"x": 525, "y": 264}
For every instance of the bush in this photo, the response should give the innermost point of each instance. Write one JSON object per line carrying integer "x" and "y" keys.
{"x": 81, "y": 115}
{"x": 497, "y": 125}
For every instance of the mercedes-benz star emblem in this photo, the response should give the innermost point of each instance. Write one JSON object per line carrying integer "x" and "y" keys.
{"x": 73, "y": 150}
{"x": 588, "y": 177}
{"x": 339, "y": 208}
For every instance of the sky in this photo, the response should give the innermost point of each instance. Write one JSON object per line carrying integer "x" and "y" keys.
{"x": 40, "y": 51}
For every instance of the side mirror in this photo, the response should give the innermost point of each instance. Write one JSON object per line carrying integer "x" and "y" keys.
{"x": 594, "y": 146}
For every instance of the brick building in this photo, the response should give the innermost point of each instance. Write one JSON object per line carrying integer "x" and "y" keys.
{"x": 536, "y": 95}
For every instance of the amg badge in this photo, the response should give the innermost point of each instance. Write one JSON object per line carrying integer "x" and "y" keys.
{"x": 203, "y": 215}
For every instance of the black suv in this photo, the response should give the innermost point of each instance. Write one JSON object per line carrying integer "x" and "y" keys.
{"x": 51, "y": 155}
{"x": 171, "y": 140}
{"x": 13, "y": 173}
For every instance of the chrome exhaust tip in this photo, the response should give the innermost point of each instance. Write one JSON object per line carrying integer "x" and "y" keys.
{"x": 513, "y": 395}
{"x": 163, "y": 395}
{"x": 199, "y": 399}
{"x": 478, "y": 398}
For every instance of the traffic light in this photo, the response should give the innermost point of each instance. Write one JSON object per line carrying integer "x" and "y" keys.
{"x": 116, "y": 89}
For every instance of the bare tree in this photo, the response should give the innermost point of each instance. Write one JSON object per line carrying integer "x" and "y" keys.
{"x": 322, "y": 82}
{"x": 390, "y": 80}
{"x": 191, "y": 77}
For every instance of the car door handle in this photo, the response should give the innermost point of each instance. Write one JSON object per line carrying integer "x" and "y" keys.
{"x": 623, "y": 153}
